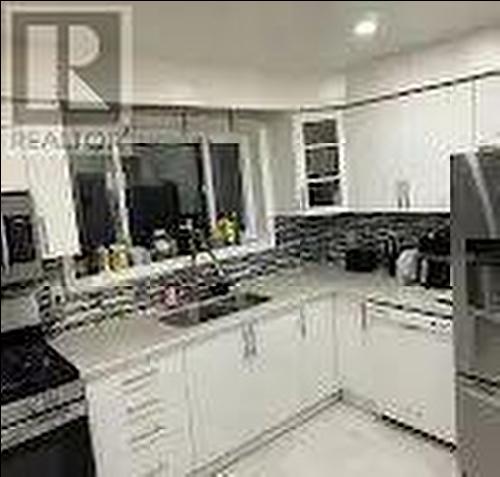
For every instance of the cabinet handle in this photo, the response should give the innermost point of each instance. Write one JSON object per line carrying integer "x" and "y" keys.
{"x": 302, "y": 324}
{"x": 139, "y": 377}
{"x": 253, "y": 342}
{"x": 143, "y": 406}
{"x": 246, "y": 341}
{"x": 147, "y": 436}
{"x": 364, "y": 321}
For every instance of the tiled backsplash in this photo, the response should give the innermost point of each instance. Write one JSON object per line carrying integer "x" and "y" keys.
{"x": 326, "y": 238}
{"x": 299, "y": 239}
{"x": 85, "y": 305}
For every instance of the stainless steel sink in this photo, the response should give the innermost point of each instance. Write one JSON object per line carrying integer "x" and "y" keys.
{"x": 212, "y": 309}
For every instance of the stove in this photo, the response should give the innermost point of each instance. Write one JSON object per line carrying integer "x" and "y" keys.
{"x": 29, "y": 365}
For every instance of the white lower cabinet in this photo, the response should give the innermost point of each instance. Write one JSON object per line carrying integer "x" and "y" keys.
{"x": 317, "y": 353}
{"x": 411, "y": 356}
{"x": 254, "y": 377}
{"x": 139, "y": 420}
{"x": 353, "y": 349}
{"x": 224, "y": 384}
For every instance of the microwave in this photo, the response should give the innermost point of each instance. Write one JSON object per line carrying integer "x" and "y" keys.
{"x": 21, "y": 259}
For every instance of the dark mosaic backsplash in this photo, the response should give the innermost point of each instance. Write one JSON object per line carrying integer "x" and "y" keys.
{"x": 326, "y": 238}
{"x": 94, "y": 304}
{"x": 299, "y": 239}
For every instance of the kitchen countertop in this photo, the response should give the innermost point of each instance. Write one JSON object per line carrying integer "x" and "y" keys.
{"x": 107, "y": 347}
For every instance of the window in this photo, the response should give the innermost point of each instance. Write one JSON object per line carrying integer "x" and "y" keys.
{"x": 94, "y": 206}
{"x": 148, "y": 194}
{"x": 322, "y": 175}
{"x": 164, "y": 187}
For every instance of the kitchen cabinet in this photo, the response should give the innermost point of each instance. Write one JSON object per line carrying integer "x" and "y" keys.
{"x": 411, "y": 355}
{"x": 398, "y": 150}
{"x": 353, "y": 349}
{"x": 49, "y": 181}
{"x": 317, "y": 351}
{"x": 487, "y": 107}
{"x": 247, "y": 380}
{"x": 223, "y": 376}
{"x": 241, "y": 383}
{"x": 139, "y": 420}
{"x": 319, "y": 151}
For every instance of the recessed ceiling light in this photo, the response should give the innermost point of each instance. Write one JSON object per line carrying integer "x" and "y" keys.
{"x": 366, "y": 27}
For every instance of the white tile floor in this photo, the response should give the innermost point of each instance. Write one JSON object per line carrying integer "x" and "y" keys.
{"x": 345, "y": 442}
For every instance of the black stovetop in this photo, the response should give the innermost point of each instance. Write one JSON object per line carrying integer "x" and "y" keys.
{"x": 30, "y": 365}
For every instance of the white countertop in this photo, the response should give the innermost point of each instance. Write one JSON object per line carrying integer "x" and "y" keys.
{"x": 106, "y": 347}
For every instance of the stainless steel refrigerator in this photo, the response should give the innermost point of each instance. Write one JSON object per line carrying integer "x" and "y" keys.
{"x": 476, "y": 300}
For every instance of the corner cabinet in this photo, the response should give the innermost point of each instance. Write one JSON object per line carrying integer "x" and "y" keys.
{"x": 319, "y": 152}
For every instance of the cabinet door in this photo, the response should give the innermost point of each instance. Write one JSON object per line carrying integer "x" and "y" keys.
{"x": 376, "y": 138}
{"x": 223, "y": 379}
{"x": 441, "y": 125}
{"x": 353, "y": 347}
{"x": 413, "y": 362}
{"x": 279, "y": 352}
{"x": 317, "y": 354}
{"x": 50, "y": 185}
{"x": 386, "y": 361}
{"x": 487, "y": 117}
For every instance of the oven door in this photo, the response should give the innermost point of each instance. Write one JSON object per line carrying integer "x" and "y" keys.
{"x": 65, "y": 451}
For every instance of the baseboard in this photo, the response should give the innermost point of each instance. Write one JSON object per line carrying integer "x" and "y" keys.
{"x": 226, "y": 460}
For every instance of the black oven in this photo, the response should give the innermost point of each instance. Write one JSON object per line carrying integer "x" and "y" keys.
{"x": 62, "y": 452}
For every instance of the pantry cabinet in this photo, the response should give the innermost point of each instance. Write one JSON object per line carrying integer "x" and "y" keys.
{"x": 139, "y": 420}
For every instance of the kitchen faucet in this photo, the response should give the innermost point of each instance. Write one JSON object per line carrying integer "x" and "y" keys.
{"x": 198, "y": 244}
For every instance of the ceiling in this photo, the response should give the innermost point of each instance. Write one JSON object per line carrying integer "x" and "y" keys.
{"x": 298, "y": 36}
{"x": 295, "y": 37}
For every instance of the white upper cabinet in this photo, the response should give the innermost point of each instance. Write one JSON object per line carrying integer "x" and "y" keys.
{"x": 49, "y": 181}
{"x": 398, "y": 150}
{"x": 487, "y": 110}
{"x": 439, "y": 125}
{"x": 376, "y": 138}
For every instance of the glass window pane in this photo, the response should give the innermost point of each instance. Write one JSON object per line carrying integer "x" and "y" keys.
{"x": 164, "y": 188}
{"x": 322, "y": 162}
{"x": 324, "y": 193}
{"x": 93, "y": 200}
{"x": 227, "y": 181}
{"x": 320, "y": 132}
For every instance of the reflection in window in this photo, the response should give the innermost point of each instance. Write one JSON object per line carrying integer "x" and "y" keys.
{"x": 228, "y": 191}
{"x": 164, "y": 187}
{"x": 93, "y": 208}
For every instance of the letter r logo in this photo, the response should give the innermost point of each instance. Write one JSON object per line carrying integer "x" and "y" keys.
{"x": 67, "y": 63}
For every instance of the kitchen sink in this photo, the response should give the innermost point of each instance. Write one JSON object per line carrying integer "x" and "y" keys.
{"x": 213, "y": 308}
